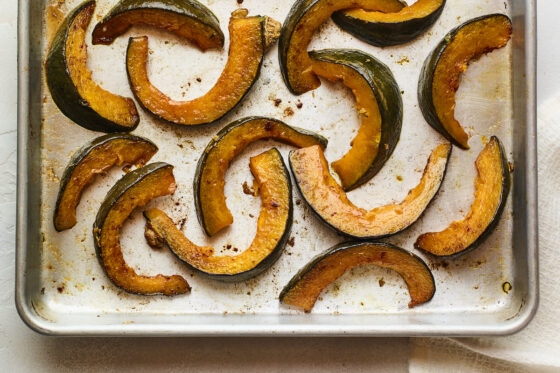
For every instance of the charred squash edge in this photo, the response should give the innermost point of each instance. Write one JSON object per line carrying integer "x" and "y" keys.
{"x": 386, "y": 34}
{"x": 425, "y": 98}
{"x": 319, "y": 215}
{"x": 389, "y": 100}
{"x": 185, "y": 8}
{"x": 82, "y": 153}
{"x": 264, "y": 264}
{"x": 113, "y": 196}
{"x": 267, "y": 29}
{"x": 62, "y": 88}
{"x": 345, "y": 246}
{"x": 212, "y": 145}
{"x": 297, "y": 12}
{"x": 506, "y": 186}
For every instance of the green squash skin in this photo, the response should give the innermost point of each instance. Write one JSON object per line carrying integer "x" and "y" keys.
{"x": 212, "y": 144}
{"x": 297, "y": 182}
{"x": 383, "y": 34}
{"x": 506, "y": 186}
{"x": 114, "y": 194}
{"x": 188, "y": 8}
{"x": 64, "y": 93}
{"x": 341, "y": 247}
{"x": 83, "y": 152}
{"x": 387, "y": 93}
{"x": 267, "y": 262}
{"x": 425, "y": 98}
{"x": 263, "y": 24}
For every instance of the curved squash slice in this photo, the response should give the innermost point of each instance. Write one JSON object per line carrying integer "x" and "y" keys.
{"x": 439, "y": 78}
{"x": 327, "y": 199}
{"x": 304, "y": 18}
{"x": 379, "y": 103}
{"x": 249, "y": 39}
{"x": 135, "y": 189}
{"x": 94, "y": 158}
{"x": 386, "y": 29}
{"x": 188, "y": 19}
{"x": 273, "y": 227}
{"x": 71, "y": 85}
{"x": 491, "y": 190}
{"x": 306, "y": 286}
{"x": 209, "y": 179}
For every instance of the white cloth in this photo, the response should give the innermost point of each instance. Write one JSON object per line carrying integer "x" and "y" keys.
{"x": 538, "y": 346}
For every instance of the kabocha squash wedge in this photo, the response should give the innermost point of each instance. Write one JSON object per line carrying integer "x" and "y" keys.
{"x": 188, "y": 19}
{"x": 71, "y": 85}
{"x": 379, "y": 103}
{"x": 327, "y": 199}
{"x": 387, "y": 29}
{"x": 440, "y": 75}
{"x": 249, "y": 39}
{"x": 492, "y": 186}
{"x": 213, "y": 213}
{"x": 94, "y": 158}
{"x": 135, "y": 189}
{"x": 306, "y": 286}
{"x": 304, "y": 18}
{"x": 273, "y": 227}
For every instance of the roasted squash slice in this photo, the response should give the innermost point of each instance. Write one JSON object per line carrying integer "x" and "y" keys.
{"x": 209, "y": 179}
{"x": 304, "y": 18}
{"x": 249, "y": 39}
{"x": 386, "y": 29}
{"x": 440, "y": 75}
{"x": 379, "y": 103}
{"x": 306, "y": 286}
{"x": 71, "y": 85}
{"x": 273, "y": 227}
{"x": 491, "y": 190}
{"x": 188, "y": 19}
{"x": 94, "y": 158}
{"x": 327, "y": 199}
{"x": 135, "y": 189}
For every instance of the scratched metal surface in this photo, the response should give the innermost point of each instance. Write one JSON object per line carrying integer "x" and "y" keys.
{"x": 70, "y": 293}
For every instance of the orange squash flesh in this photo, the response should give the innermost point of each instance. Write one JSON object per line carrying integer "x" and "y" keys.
{"x": 211, "y": 198}
{"x": 419, "y": 9}
{"x": 307, "y": 285}
{"x": 469, "y": 43}
{"x": 355, "y": 163}
{"x": 118, "y": 109}
{"x": 203, "y": 36}
{"x": 272, "y": 227}
{"x": 98, "y": 161}
{"x": 298, "y": 63}
{"x": 247, "y": 47}
{"x": 330, "y": 202}
{"x": 158, "y": 183}
{"x": 488, "y": 198}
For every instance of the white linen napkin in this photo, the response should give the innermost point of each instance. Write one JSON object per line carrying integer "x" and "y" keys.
{"x": 536, "y": 348}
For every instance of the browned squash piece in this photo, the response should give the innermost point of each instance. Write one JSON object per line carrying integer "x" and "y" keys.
{"x": 71, "y": 84}
{"x": 306, "y": 286}
{"x": 304, "y": 18}
{"x": 94, "y": 158}
{"x": 249, "y": 38}
{"x": 209, "y": 181}
{"x": 327, "y": 199}
{"x": 135, "y": 189}
{"x": 187, "y": 19}
{"x": 440, "y": 76}
{"x": 491, "y": 190}
{"x": 273, "y": 227}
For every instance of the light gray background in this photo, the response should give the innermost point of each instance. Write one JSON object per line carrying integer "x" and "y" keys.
{"x": 22, "y": 350}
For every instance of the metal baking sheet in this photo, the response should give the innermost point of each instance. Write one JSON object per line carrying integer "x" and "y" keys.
{"x": 61, "y": 289}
